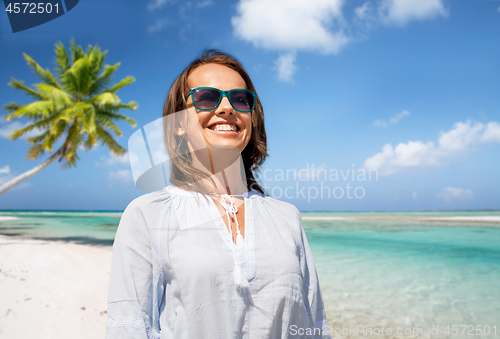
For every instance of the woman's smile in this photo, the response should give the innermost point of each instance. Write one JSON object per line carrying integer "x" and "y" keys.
{"x": 224, "y": 128}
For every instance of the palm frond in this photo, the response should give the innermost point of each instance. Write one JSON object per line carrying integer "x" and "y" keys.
{"x": 44, "y": 74}
{"x": 116, "y": 117}
{"x": 77, "y": 111}
{"x": 88, "y": 118}
{"x": 11, "y": 106}
{"x": 107, "y": 140}
{"x": 96, "y": 59}
{"x": 76, "y": 51}
{"x": 18, "y": 84}
{"x": 57, "y": 127}
{"x": 62, "y": 60}
{"x": 39, "y": 138}
{"x": 100, "y": 61}
{"x": 108, "y": 124}
{"x": 115, "y": 107}
{"x": 70, "y": 83}
{"x": 80, "y": 72}
{"x": 124, "y": 82}
{"x": 36, "y": 110}
{"x": 60, "y": 98}
{"x": 106, "y": 100}
{"x": 35, "y": 151}
{"x": 41, "y": 125}
{"x": 104, "y": 79}
{"x": 90, "y": 141}
{"x": 131, "y": 105}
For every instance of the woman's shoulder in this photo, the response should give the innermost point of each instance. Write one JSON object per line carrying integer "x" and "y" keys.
{"x": 285, "y": 208}
{"x": 150, "y": 202}
{"x": 144, "y": 212}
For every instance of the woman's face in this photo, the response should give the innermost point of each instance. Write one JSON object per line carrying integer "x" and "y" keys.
{"x": 213, "y": 122}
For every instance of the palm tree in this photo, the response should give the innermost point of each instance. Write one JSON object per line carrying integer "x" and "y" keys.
{"x": 76, "y": 105}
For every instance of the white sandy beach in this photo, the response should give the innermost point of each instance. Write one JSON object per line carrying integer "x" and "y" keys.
{"x": 3, "y": 218}
{"x": 52, "y": 289}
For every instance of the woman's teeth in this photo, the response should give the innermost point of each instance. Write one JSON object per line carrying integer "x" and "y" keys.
{"x": 224, "y": 128}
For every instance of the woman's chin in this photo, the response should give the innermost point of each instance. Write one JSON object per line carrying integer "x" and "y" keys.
{"x": 225, "y": 139}
{"x": 225, "y": 146}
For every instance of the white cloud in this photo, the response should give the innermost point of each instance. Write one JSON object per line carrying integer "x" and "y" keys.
{"x": 5, "y": 170}
{"x": 461, "y": 137}
{"x": 314, "y": 25}
{"x": 400, "y": 12}
{"x": 185, "y": 10}
{"x": 205, "y": 3}
{"x": 492, "y": 133}
{"x": 121, "y": 175}
{"x": 158, "y": 26}
{"x": 498, "y": 9}
{"x": 157, "y": 4}
{"x": 366, "y": 18}
{"x": 364, "y": 11}
{"x": 394, "y": 120}
{"x": 450, "y": 194}
{"x": 414, "y": 154}
{"x": 414, "y": 195}
{"x": 8, "y": 128}
{"x": 399, "y": 116}
{"x": 285, "y": 67}
{"x": 116, "y": 164}
{"x": 455, "y": 143}
{"x": 114, "y": 160}
{"x": 379, "y": 123}
{"x": 319, "y": 25}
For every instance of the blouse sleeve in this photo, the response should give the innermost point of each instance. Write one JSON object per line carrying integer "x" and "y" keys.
{"x": 132, "y": 310}
{"x": 313, "y": 298}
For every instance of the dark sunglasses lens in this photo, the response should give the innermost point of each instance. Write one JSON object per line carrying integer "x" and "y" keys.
{"x": 242, "y": 100}
{"x": 206, "y": 98}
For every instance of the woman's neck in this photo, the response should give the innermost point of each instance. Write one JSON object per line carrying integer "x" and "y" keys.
{"x": 227, "y": 164}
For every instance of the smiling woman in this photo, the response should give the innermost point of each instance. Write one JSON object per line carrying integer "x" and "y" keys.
{"x": 205, "y": 72}
{"x": 212, "y": 256}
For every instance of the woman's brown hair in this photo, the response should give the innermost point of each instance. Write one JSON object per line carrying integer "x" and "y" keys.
{"x": 254, "y": 154}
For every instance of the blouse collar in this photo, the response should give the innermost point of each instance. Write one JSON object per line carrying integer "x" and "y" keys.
{"x": 178, "y": 191}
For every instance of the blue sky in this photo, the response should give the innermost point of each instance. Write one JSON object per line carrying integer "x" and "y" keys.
{"x": 408, "y": 89}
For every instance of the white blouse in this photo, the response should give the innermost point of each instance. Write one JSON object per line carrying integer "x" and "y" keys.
{"x": 172, "y": 272}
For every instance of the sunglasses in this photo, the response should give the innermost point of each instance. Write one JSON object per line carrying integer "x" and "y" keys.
{"x": 208, "y": 98}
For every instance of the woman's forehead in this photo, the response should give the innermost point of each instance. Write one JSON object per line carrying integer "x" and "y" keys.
{"x": 217, "y": 76}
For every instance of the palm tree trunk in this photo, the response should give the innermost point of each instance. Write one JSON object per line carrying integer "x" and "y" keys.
{"x": 28, "y": 174}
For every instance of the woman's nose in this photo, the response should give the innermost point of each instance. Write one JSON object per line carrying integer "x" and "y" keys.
{"x": 225, "y": 106}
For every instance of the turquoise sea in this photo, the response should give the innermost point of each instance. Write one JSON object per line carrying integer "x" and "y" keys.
{"x": 376, "y": 275}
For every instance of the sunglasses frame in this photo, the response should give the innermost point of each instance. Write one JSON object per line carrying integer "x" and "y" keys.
{"x": 222, "y": 95}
